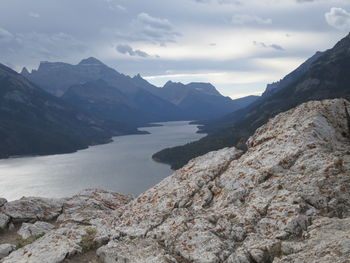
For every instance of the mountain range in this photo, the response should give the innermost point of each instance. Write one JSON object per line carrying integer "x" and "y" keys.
{"x": 99, "y": 89}
{"x": 323, "y": 76}
{"x": 62, "y": 108}
{"x": 36, "y": 122}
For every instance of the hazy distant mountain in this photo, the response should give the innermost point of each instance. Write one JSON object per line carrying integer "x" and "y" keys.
{"x": 197, "y": 100}
{"x": 101, "y": 90}
{"x": 326, "y": 77}
{"x": 35, "y": 122}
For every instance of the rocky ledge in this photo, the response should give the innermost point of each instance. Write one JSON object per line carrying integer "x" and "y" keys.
{"x": 287, "y": 199}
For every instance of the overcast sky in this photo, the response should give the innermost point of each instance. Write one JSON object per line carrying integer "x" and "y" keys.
{"x": 237, "y": 45}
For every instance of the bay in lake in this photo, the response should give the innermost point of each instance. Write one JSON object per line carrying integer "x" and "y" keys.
{"x": 124, "y": 165}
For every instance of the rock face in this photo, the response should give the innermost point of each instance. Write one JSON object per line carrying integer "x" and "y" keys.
{"x": 290, "y": 189}
{"x": 287, "y": 199}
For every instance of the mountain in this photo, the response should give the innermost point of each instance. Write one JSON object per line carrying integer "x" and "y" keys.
{"x": 198, "y": 101}
{"x": 291, "y": 77}
{"x": 138, "y": 105}
{"x": 134, "y": 100}
{"x": 326, "y": 77}
{"x": 35, "y": 122}
{"x": 100, "y": 98}
{"x": 287, "y": 199}
{"x": 58, "y": 77}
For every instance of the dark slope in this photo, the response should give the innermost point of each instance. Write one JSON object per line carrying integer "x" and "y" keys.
{"x": 291, "y": 77}
{"x": 100, "y": 98}
{"x": 33, "y": 122}
{"x": 327, "y": 77}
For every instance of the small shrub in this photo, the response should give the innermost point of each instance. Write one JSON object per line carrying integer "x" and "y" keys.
{"x": 22, "y": 242}
{"x": 87, "y": 242}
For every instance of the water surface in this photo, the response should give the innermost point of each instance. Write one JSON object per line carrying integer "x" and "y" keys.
{"x": 124, "y": 165}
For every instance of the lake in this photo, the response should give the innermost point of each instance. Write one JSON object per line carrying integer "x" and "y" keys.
{"x": 124, "y": 166}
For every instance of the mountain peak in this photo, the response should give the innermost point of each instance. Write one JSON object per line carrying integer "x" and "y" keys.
{"x": 25, "y": 72}
{"x": 137, "y": 76}
{"x": 90, "y": 61}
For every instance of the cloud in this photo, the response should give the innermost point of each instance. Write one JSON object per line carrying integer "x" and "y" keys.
{"x": 154, "y": 22}
{"x": 242, "y": 19}
{"x": 115, "y": 6}
{"x": 338, "y": 18}
{"x": 151, "y": 29}
{"x": 5, "y": 36}
{"x": 126, "y": 49}
{"x": 273, "y": 46}
{"x": 34, "y": 15}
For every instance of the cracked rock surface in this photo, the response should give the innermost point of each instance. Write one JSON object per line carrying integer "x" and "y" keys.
{"x": 229, "y": 207}
{"x": 287, "y": 199}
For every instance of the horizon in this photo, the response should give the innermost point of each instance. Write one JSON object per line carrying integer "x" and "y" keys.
{"x": 239, "y": 47}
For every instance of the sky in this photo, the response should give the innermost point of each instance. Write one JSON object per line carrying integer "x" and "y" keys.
{"x": 237, "y": 45}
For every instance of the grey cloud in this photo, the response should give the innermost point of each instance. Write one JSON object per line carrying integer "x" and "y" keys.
{"x": 242, "y": 19}
{"x": 126, "y": 49}
{"x": 151, "y": 29}
{"x": 154, "y": 21}
{"x": 273, "y": 46}
{"x": 115, "y": 6}
{"x": 338, "y": 18}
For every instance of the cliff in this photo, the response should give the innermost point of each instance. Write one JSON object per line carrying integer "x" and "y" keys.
{"x": 287, "y": 199}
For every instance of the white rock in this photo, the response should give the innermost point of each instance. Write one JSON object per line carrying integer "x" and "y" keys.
{"x": 27, "y": 229}
{"x": 2, "y": 201}
{"x": 4, "y": 220}
{"x": 6, "y": 249}
{"x": 90, "y": 204}
{"x": 33, "y": 208}
{"x": 54, "y": 247}
{"x": 326, "y": 241}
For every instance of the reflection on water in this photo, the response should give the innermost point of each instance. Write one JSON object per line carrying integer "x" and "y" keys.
{"x": 124, "y": 165}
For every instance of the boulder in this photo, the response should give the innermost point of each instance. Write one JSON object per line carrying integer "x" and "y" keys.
{"x": 2, "y": 201}
{"x": 33, "y": 209}
{"x": 90, "y": 204}
{"x": 4, "y": 220}
{"x": 28, "y": 230}
{"x": 54, "y": 247}
{"x": 6, "y": 249}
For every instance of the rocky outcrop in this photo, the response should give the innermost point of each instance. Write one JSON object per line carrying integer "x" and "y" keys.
{"x": 224, "y": 207}
{"x": 287, "y": 199}
{"x": 78, "y": 223}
